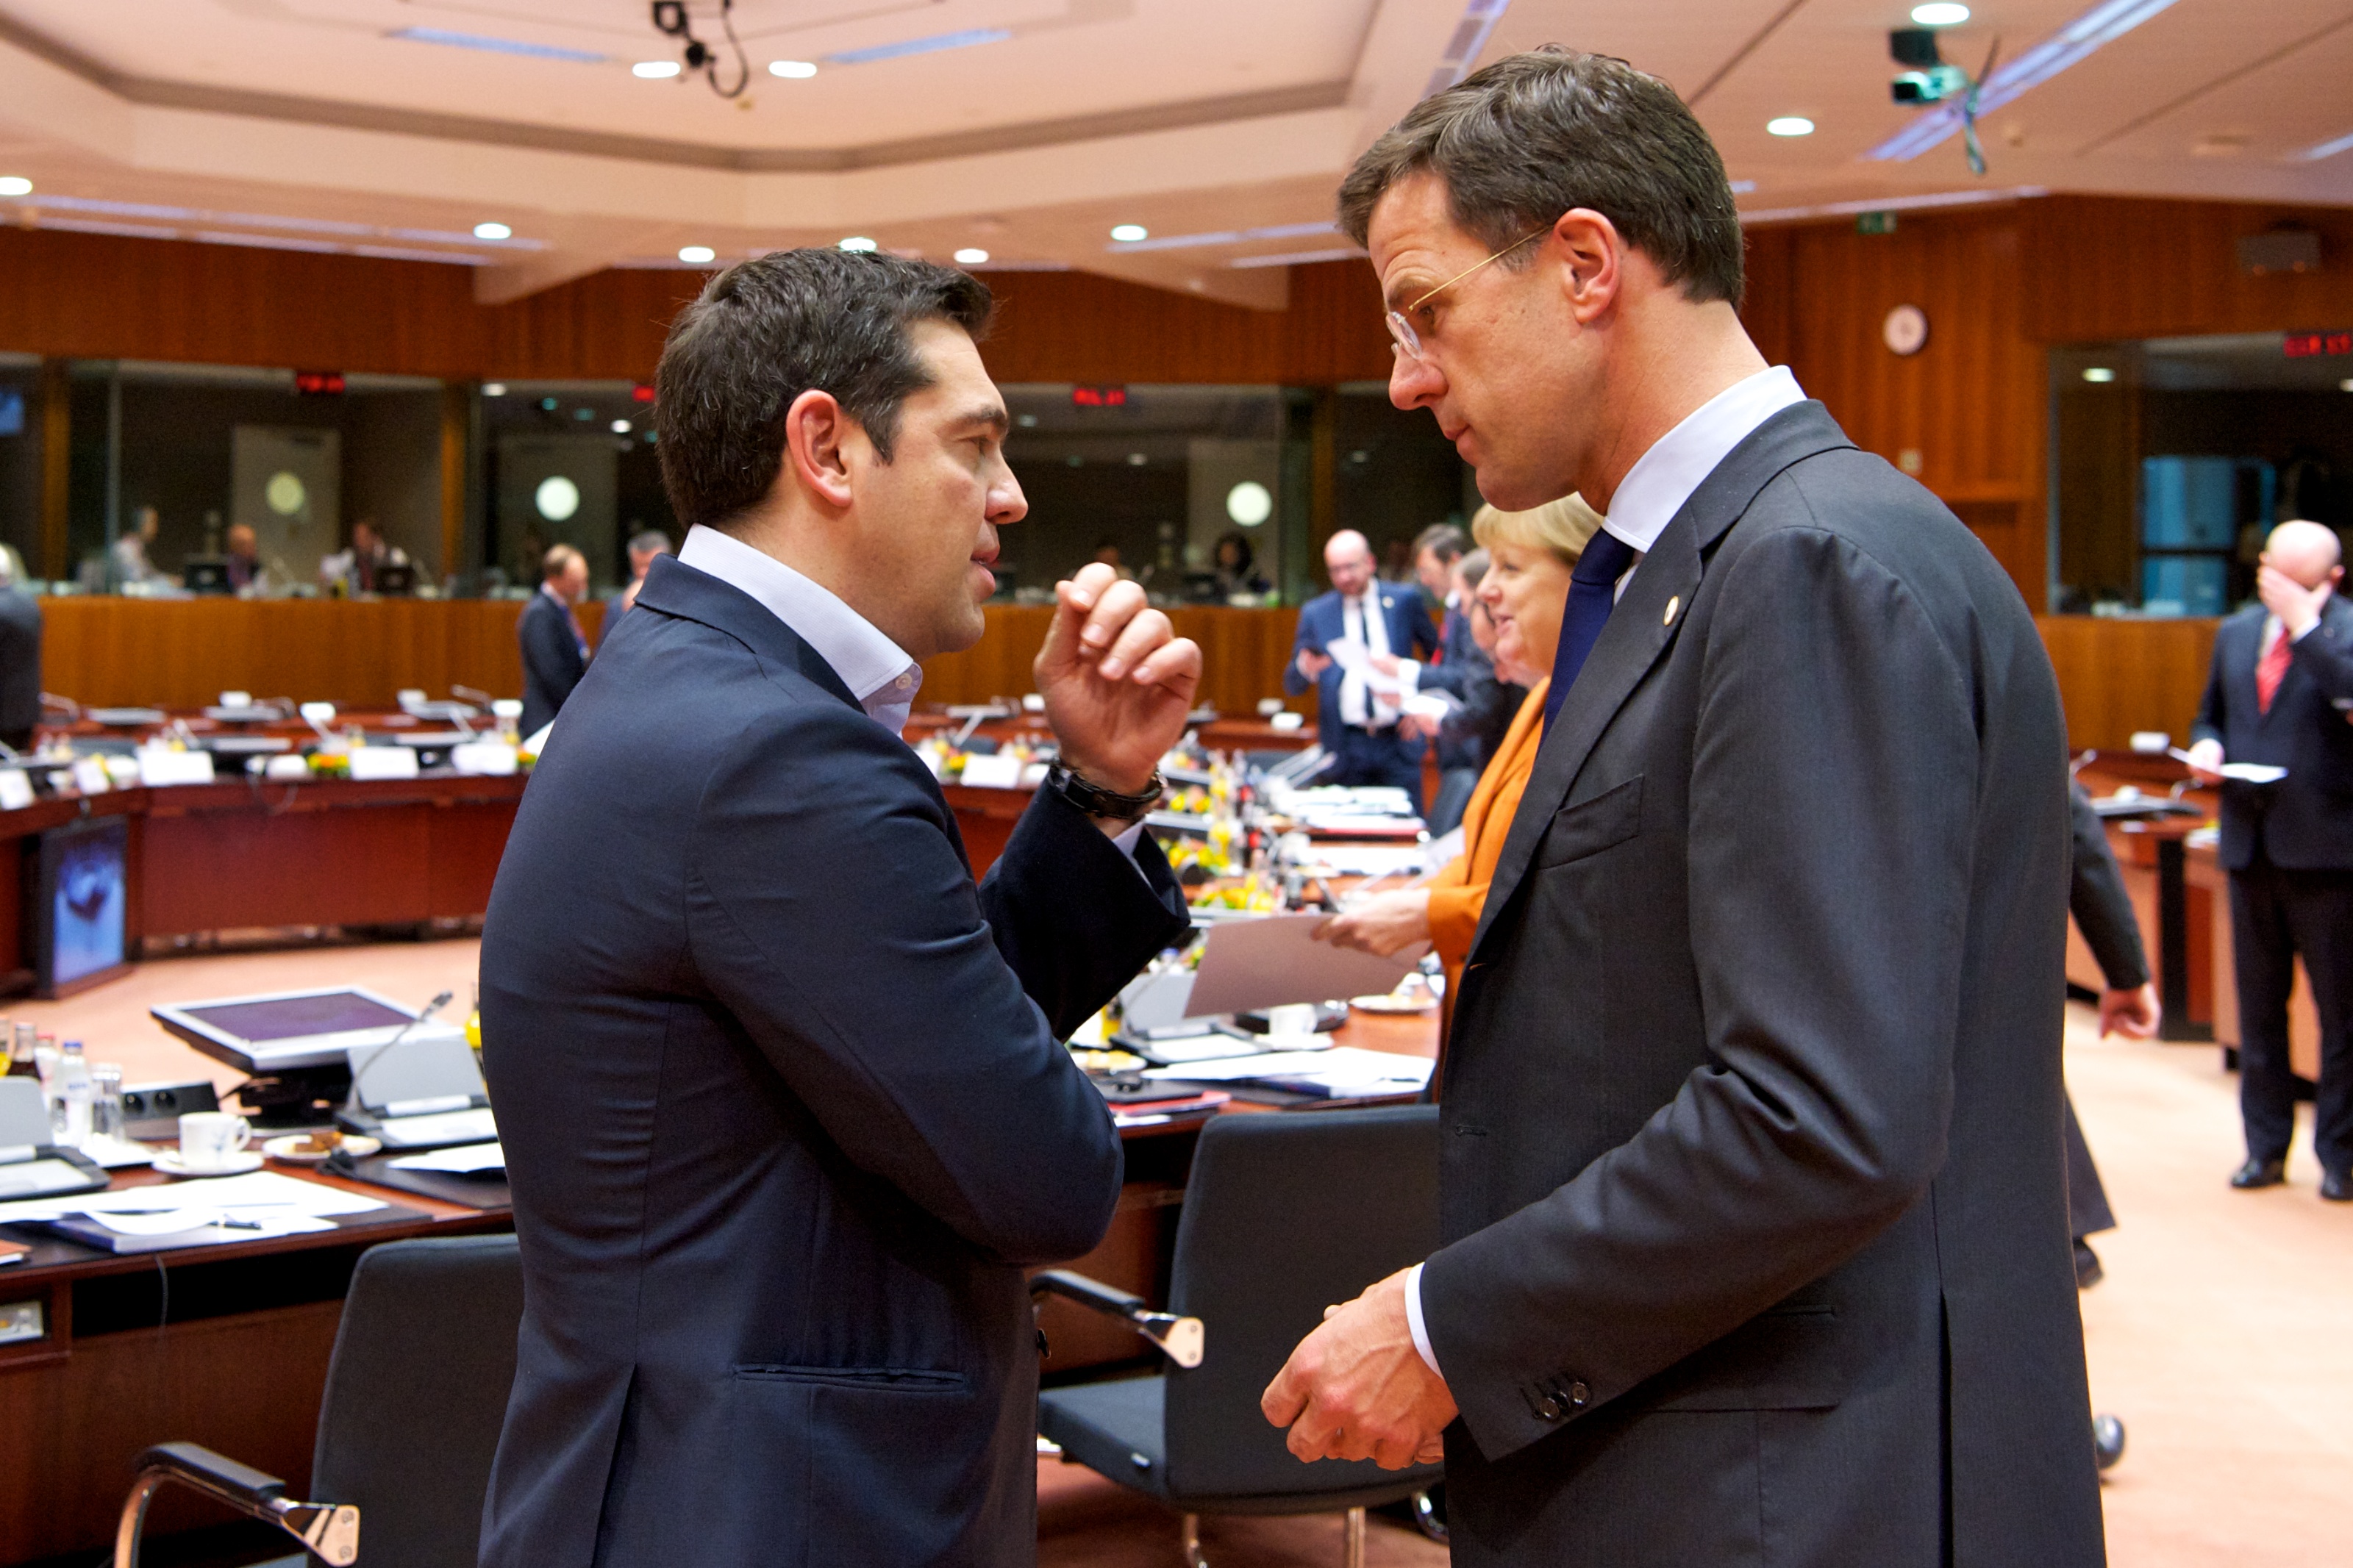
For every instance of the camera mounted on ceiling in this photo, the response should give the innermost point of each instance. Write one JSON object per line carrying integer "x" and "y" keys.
{"x": 1926, "y": 79}
{"x": 672, "y": 21}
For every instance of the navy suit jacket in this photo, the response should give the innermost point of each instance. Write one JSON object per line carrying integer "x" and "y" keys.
{"x": 553, "y": 662}
{"x": 2304, "y": 821}
{"x": 786, "y": 1111}
{"x": 1322, "y": 622}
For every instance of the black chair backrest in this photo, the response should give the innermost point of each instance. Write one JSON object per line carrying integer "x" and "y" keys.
{"x": 1284, "y": 1216}
{"x": 417, "y": 1393}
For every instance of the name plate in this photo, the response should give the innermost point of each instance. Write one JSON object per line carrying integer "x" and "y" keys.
{"x": 16, "y": 790}
{"x": 1000, "y": 772}
{"x": 383, "y": 763}
{"x": 160, "y": 766}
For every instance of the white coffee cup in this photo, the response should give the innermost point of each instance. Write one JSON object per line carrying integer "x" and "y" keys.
{"x": 1291, "y": 1027}
{"x": 212, "y": 1140}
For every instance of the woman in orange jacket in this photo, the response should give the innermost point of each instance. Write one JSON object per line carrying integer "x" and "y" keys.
{"x": 1523, "y": 595}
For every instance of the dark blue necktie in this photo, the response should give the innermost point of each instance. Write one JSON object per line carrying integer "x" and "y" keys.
{"x": 1592, "y": 594}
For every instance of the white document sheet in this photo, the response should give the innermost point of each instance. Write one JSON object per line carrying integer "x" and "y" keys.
{"x": 1248, "y": 964}
{"x": 467, "y": 1160}
{"x": 445, "y": 1127}
{"x": 258, "y": 1196}
{"x": 1345, "y": 1071}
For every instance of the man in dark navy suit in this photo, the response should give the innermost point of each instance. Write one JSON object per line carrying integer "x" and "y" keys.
{"x": 555, "y": 652}
{"x": 783, "y": 1094}
{"x": 1356, "y": 717}
{"x": 2280, "y": 693}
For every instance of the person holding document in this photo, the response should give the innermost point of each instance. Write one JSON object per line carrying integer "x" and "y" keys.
{"x": 1753, "y": 1206}
{"x": 784, "y": 1101}
{"x": 1354, "y": 646}
{"x": 2279, "y": 694}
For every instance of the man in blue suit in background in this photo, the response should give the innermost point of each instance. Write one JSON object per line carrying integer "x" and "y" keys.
{"x": 1356, "y": 722}
{"x": 783, "y": 1096}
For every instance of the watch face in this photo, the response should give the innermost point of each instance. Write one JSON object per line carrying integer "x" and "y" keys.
{"x": 1905, "y": 330}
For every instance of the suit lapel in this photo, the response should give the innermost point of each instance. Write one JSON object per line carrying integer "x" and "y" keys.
{"x": 1638, "y": 630}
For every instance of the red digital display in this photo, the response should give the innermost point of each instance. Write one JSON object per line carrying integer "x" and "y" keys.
{"x": 2315, "y": 345}
{"x": 318, "y": 383}
{"x": 1098, "y": 397}
{"x": 641, "y": 393}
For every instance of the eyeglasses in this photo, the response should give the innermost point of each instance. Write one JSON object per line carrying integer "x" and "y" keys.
{"x": 1401, "y": 330}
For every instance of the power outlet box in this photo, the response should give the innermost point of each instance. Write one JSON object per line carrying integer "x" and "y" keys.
{"x": 23, "y": 1321}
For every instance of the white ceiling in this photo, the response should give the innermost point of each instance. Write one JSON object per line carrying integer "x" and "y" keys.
{"x": 312, "y": 122}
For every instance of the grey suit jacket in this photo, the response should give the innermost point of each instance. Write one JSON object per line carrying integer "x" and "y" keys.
{"x": 1752, "y": 1178}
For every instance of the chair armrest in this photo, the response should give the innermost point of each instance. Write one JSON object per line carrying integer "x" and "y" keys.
{"x": 1180, "y": 1338}
{"x": 330, "y": 1532}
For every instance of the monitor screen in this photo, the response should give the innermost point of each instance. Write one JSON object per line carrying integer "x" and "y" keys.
{"x": 297, "y": 1017}
{"x": 86, "y": 897}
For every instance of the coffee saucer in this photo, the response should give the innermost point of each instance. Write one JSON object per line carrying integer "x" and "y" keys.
{"x": 168, "y": 1160}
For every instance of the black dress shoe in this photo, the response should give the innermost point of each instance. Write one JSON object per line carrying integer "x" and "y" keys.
{"x": 2088, "y": 1271}
{"x": 2337, "y": 1186}
{"x": 2260, "y": 1174}
{"x": 2107, "y": 1440}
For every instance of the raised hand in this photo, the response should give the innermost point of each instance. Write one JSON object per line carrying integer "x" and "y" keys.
{"x": 1117, "y": 681}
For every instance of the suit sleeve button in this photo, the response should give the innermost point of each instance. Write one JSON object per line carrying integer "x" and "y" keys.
{"x": 1578, "y": 1394}
{"x": 1550, "y": 1407}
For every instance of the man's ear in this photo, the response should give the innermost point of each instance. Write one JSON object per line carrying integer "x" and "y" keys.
{"x": 816, "y": 431}
{"x": 1588, "y": 257}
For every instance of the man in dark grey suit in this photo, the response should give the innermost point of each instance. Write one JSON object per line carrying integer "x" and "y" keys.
{"x": 555, "y": 652}
{"x": 783, "y": 1094}
{"x": 20, "y": 660}
{"x": 1752, "y": 1192}
{"x": 2279, "y": 694}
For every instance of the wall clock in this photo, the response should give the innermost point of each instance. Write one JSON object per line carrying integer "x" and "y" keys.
{"x": 1905, "y": 330}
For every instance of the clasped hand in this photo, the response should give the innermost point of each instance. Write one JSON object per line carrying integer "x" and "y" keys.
{"x": 1357, "y": 1389}
{"x": 1118, "y": 682}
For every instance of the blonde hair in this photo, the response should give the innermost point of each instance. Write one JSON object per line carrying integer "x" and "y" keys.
{"x": 1560, "y": 526}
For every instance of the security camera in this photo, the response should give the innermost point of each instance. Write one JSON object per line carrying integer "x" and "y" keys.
{"x": 1930, "y": 79}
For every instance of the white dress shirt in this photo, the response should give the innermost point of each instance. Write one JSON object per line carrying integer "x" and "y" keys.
{"x": 877, "y": 671}
{"x": 1653, "y": 491}
{"x": 1363, "y": 622}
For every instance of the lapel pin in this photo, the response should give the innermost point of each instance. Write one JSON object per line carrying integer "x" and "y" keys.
{"x": 1674, "y": 604}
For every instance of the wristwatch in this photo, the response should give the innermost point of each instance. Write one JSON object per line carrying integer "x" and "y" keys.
{"x": 1097, "y": 801}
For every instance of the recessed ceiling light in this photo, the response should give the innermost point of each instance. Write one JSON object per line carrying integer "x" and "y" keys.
{"x": 1129, "y": 233}
{"x": 492, "y": 231}
{"x": 697, "y": 255}
{"x": 1941, "y": 14}
{"x": 14, "y": 186}
{"x": 655, "y": 70}
{"x": 1790, "y": 125}
{"x": 859, "y": 242}
{"x": 971, "y": 256}
{"x": 2346, "y": 386}
{"x": 620, "y": 426}
{"x": 2098, "y": 373}
{"x": 494, "y": 389}
{"x": 792, "y": 71}
{"x": 1136, "y": 459}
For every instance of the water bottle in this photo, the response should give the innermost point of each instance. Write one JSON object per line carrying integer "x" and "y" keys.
{"x": 76, "y": 1094}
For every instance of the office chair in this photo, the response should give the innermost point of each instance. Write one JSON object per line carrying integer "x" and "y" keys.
{"x": 1283, "y": 1216}
{"x": 415, "y": 1395}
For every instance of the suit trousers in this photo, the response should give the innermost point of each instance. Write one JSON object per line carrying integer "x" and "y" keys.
{"x": 2276, "y": 913}
{"x": 1373, "y": 757}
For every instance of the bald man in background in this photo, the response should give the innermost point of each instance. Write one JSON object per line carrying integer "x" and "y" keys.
{"x": 2281, "y": 693}
{"x": 1357, "y": 724}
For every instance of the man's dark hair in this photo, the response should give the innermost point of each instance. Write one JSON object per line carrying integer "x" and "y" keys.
{"x": 1537, "y": 134}
{"x": 765, "y": 330}
{"x": 1473, "y": 568}
{"x": 1443, "y": 540}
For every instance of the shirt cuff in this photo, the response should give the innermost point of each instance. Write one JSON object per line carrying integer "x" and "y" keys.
{"x": 1408, "y": 677}
{"x": 1413, "y": 1319}
{"x": 2294, "y": 637}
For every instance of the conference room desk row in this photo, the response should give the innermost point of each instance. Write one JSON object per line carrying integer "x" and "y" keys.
{"x": 244, "y": 853}
{"x": 228, "y": 1346}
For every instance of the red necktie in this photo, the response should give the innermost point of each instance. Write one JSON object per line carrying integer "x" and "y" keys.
{"x": 2271, "y": 670}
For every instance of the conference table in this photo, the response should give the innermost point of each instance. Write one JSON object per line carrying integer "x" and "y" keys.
{"x": 227, "y": 1345}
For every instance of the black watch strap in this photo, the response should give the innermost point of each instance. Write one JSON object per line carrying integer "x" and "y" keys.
{"x": 1096, "y": 801}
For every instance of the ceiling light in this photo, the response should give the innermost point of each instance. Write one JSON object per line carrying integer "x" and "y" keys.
{"x": 2101, "y": 24}
{"x": 1235, "y": 235}
{"x": 2346, "y": 386}
{"x": 492, "y": 231}
{"x": 859, "y": 242}
{"x": 620, "y": 428}
{"x": 496, "y": 45}
{"x": 697, "y": 255}
{"x": 14, "y": 186}
{"x": 1129, "y": 233}
{"x": 655, "y": 70}
{"x": 494, "y": 389}
{"x": 2098, "y": 374}
{"x": 929, "y": 45}
{"x": 792, "y": 71}
{"x": 1136, "y": 459}
{"x": 971, "y": 256}
{"x": 1789, "y": 125}
{"x": 1941, "y": 14}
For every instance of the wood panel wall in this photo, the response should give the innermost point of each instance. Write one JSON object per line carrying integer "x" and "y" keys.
{"x": 1243, "y": 656}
